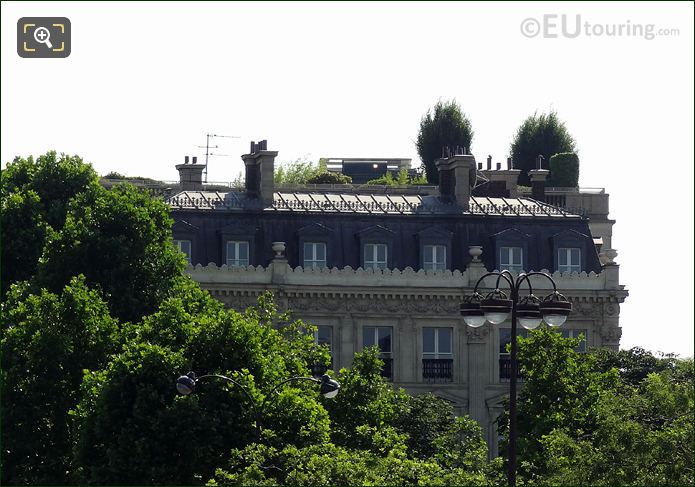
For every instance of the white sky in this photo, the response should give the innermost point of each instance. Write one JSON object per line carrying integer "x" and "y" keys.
{"x": 145, "y": 82}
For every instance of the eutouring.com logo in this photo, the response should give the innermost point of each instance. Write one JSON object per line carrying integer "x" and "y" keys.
{"x": 553, "y": 26}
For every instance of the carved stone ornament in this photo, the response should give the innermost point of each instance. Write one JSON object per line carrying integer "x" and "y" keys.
{"x": 478, "y": 334}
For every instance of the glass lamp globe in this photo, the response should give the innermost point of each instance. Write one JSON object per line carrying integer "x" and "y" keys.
{"x": 474, "y": 321}
{"x": 555, "y": 320}
{"x": 496, "y": 307}
{"x": 530, "y": 323}
{"x": 496, "y": 317}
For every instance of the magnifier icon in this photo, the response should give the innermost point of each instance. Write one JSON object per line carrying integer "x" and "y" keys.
{"x": 43, "y": 36}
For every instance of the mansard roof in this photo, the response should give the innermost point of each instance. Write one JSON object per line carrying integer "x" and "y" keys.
{"x": 366, "y": 204}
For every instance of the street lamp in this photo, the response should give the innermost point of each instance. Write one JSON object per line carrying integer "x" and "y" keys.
{"x": 528, "y": 311}
{"x": 186, "y": 384}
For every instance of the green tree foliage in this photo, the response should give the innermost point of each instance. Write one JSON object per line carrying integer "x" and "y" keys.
{"x": 135, "y": 429}
{"x": 23, "y": 231}
{"x": 582, "y": 421}
{"x": 561, "y": 390}
{"x": 543, "y": 134}
{"x": 48, "y": 340}
{"x": 120, "y": 239}
{"x": 445, "y": 125}
{"x": 35, "y": 195}
{"x": 295, "y": 172}
{"x": 329, "y": 464}
{"x": 564, "y": 170}
{"x": 327, "y": 177}
{"x": 401, "y": 179}
{"x": 303, "y": 171}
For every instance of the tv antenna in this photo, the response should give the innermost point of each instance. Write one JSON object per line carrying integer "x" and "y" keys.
{"x": 207, "y": 148}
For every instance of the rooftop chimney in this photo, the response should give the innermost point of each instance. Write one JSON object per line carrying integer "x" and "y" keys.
{"x": 538, "y": 177}
{"x": 260, "y": 168}
{"x": 456, "y": 176}
{"x": 489, "y": 163}
{"x": 190, "y": 175}
{"x": 510, "y": 165}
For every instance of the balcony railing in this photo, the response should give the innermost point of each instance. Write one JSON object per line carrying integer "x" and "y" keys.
{"x": 438, "y": 370}
{"x": 506, "y": 369}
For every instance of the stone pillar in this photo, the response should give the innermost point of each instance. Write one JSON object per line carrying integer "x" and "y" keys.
{"x": 348, "y": 339}
{"x": 407, "y": 358}
{"x": 478, "y": 374}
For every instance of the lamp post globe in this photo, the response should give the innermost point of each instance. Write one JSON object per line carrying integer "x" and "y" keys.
{"x": 185, "y": 385}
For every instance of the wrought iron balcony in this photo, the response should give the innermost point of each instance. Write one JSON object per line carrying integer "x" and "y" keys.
{"x": 506, "y": 370}
{"x": 438, "y": 370}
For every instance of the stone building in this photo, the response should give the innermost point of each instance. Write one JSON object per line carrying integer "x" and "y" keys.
{"x": 390, "y": 266}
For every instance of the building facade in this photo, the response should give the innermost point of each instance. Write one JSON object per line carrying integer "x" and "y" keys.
{"x": 390, "y": 268}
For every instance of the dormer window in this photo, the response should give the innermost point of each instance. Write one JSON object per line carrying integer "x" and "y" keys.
{"x": 376, "y": 256}
{"x": 434, "y": 257}
{"x": 569, "y": 259}
{"x": 376, "y": 248}
{"x": 511, "y": 259}
{"x": 185, "y": 247}
{"x": 237, "y": 253}
{"x": 314, "y": 255}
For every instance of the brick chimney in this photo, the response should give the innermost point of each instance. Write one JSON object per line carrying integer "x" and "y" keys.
{"x": 456, "y": 176}
{"x": 260, "y": 168}
{"x": 538, "y": 177}
{"x": 190, "y": 175}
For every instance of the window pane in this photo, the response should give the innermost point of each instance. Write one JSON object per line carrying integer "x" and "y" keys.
{"x": 231, "y": 251}
{"x": 308, "y": 251}
{"x": 323, "y": 336}
{"x": 369, "y": 253}
{"x": 243, "y": 250}
{"x": 320, "y": 251}
{"x": 562, "y": 257}
{"x": 516, "y": 255}
{"x": 444, "y": 340}
{"x": 575, "y": 257}
{"x": 368, "y": 336}
{"x": 428, "y": 340}
{"x": 441, "y": 254}
{"x": 385, "y": 339}
{"x": 504, "y": 256}
{"x": 381, "y": 253}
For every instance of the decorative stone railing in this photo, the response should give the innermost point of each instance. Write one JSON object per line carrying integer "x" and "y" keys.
{"x": 278, "y": 272}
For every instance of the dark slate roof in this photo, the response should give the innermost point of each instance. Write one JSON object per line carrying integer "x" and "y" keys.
{"x": 378, "y": 204}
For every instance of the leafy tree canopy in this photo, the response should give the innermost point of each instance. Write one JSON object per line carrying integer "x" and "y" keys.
{"x": 444, "y": 125}
{"x": 543, "y": 134}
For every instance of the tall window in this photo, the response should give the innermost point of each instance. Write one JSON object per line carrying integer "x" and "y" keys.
{"x": 434, "y": 257}
{"x": 576, "y": 333}
{"x": 511, "y": 259}
{"x": 380, "y": 336}
{"x": 314, "y": 254}
{"x": 569, "y": 260}
{"x": 375, "y": 256}
{"x": 237, "y": 253}
{"x": 185, "y": 247}
{"x": 505, "y": 356}
{"x": 437, "y": 358}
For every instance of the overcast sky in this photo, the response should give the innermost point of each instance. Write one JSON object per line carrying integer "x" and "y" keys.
{"x": 145, "y": 82}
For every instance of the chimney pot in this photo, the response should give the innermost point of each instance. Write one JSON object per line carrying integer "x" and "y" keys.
{"x": 185, "y": 160}
{"x": 499, "y": 166}
{"x": 489, "y": 163}
{"x": 195, "y": 160}
{"x": 509, "y": 163}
